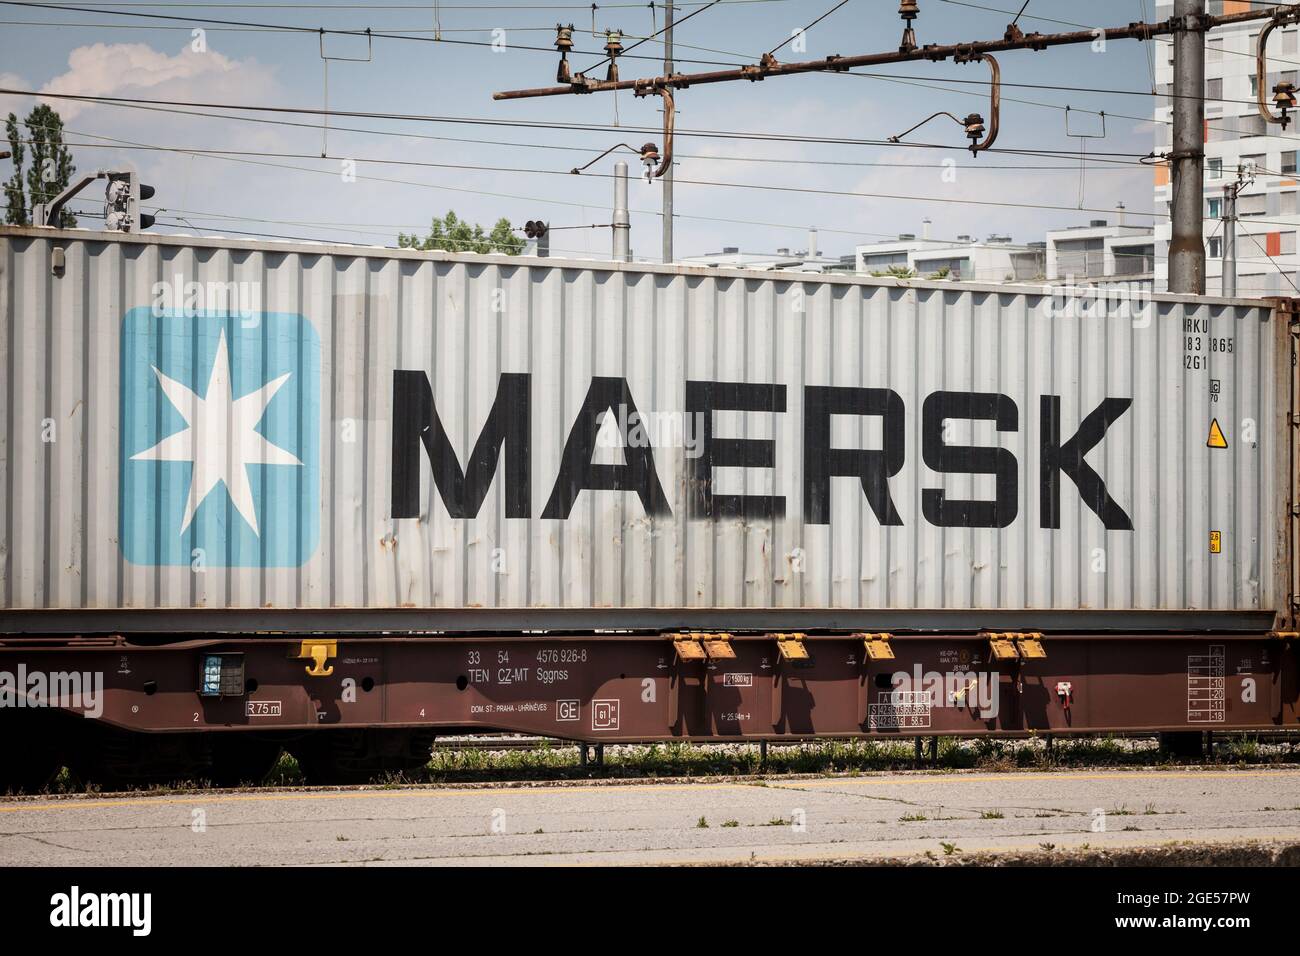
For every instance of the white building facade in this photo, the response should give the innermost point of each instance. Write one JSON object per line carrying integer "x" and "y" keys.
{"x": 1236, "y": 135}
{"x": 996, "y": 259}
{"x": 1101, "y": 254}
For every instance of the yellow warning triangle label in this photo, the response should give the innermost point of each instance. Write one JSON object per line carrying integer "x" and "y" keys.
{"x": 1216, "y": 439}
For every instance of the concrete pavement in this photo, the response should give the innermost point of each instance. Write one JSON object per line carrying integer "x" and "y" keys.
{"x": 775, "y": 819}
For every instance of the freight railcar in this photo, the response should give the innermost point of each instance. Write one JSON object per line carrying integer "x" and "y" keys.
{"x": 344, "y": 499}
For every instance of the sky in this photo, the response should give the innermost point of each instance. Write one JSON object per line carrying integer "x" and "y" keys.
{"x": 298, "y": 194}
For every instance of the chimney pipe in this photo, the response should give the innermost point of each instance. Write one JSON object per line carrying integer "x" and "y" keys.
{"x": 812, "y": 243}
{"x": 925, "y": 228}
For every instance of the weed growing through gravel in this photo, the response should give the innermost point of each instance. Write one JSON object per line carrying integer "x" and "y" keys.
{"x": 558, "y": 760}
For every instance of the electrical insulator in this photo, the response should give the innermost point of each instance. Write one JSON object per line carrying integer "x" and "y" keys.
{"x": 650, "y": 159}
{"x": 563, "y": 43}
{"x": 613, "y": 47}
{"x": 908, "y": 10}
{"x": 1284, "y": 99}
{"x": 974, "y": 124}
{"x": 534, "y": 229}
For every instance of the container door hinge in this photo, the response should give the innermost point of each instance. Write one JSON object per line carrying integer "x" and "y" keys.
{"x": 718, "y": 646}
{"x": 318, "y": 651}
{"x": 1010, "y": 646}
{"x": 791, "y": 646}
{"x": 877, "y": 646}
{"x": 688, "y": 648}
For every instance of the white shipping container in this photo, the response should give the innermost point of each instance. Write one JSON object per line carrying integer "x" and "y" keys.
{"x": 216, "y": 424}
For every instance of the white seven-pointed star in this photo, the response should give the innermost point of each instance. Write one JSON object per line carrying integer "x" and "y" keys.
{"x": 219, "y": 439}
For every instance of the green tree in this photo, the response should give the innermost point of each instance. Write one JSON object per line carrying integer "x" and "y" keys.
{"x": 896, "y": 272}
{"x": 15, "y": 194}
{"x": 52, "y": 167}
{"x": 453, "y": 234}
{"x": 505, "y": 239}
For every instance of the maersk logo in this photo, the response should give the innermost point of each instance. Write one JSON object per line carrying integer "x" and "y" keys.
{"x": 220, "y": 456}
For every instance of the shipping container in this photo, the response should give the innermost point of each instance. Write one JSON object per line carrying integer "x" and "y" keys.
{"x": 235, "y": 440}
{"x": 452, "y": 433}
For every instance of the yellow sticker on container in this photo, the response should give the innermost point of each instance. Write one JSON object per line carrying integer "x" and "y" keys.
{"x": 1216, "y": 439}
{"x": 1216, "y": 542}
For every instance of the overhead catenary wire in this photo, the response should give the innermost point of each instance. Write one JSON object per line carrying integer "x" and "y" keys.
{"x": 959, "y": 52}
{"x": 200, "y": 150}
{"x": 800, "y": 30}
{"x": 737, "y": 185}
{"x": 384, "y": 35}
{"x": 319, "y": 31}
{"x": 803, "y": 190}
{"x": 1128, "y": 156}
{"x": 333, "y": 173}
{"x": 533, "y": 7}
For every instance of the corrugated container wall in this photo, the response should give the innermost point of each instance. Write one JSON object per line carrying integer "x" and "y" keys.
{"x": 218, "y": 424}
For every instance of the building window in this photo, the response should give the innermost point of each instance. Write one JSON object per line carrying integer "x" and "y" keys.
{"x": 1286, "y": 203}
{"x": 1288, "y": 162}
{"x": 1212, "y": 209}
{"x": 1288, "y": 41}
{"x": 1216, "y": 168}
{"x": 1253, "y": 163}
{"x": 1214, "y": 50}
{"x": 1255, "y": 205}
{"x": 1252, "y": 125}
{"x": 1214, "y": 89}
{"x": 1214, "y": 250}
{"x": 883, "y": 260}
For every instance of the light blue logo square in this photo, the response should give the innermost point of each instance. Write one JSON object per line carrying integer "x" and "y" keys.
{"x": 220, "y": 439}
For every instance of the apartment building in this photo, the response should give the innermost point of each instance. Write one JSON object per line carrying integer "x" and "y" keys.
{"x": 1236, "y": 136}
{"x": 995, "y": 259}
{"x": 1101, "y": 254}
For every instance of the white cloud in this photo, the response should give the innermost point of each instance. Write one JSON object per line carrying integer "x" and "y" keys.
{"x": 112, "y": 69}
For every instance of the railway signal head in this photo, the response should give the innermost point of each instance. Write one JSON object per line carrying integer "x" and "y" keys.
{"x": 122, "y": 198}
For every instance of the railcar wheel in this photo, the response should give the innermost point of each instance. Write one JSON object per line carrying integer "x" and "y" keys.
{"x": 359, "y": 756}
{"x": 29, "y": 751}
{"x": 1183, "y": 743}
{"x": 241, "y": 758}
{"x": 118, "y": 759}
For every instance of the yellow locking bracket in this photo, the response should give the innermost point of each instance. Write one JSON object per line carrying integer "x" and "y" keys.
{"x": 791, "y": 647}
{"x": 1002, "y": 647}
{"x": 318, "y": 651}
{"x": 688, "y": 648}
{"x": 1031, "y": 646}
{"x": 1015, "y": 645}
{"x": 718, "y": 646}
{"x": 877, "y": 646}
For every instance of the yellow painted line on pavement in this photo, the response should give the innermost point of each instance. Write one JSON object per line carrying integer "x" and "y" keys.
{"x": 347, "y": 795}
